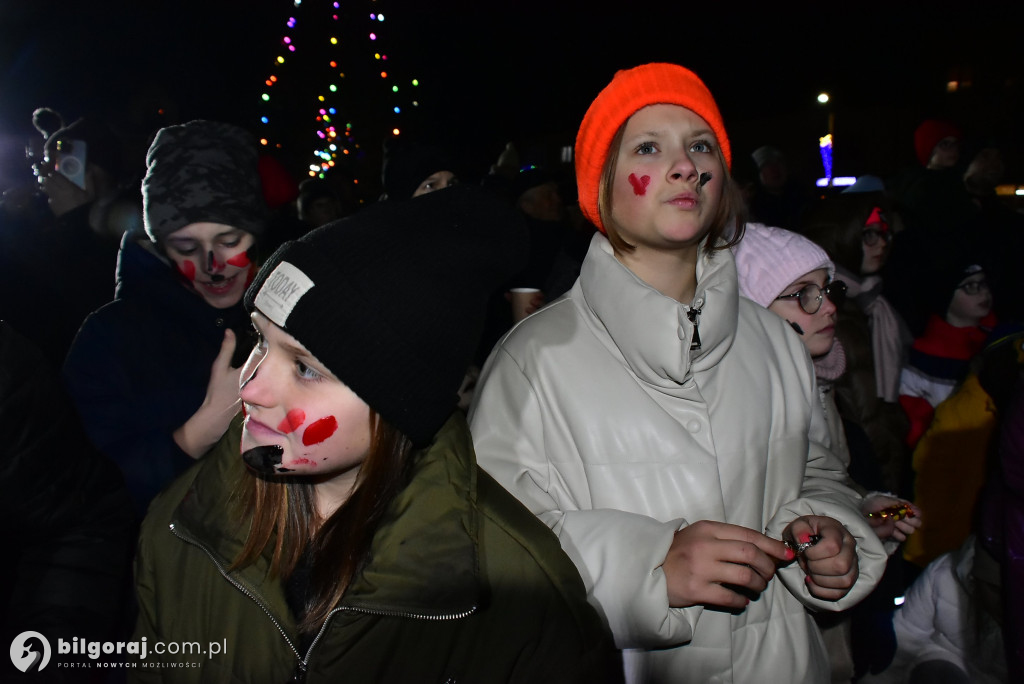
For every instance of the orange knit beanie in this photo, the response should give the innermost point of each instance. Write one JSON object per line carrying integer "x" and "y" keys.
{"x": 630, "y": 91}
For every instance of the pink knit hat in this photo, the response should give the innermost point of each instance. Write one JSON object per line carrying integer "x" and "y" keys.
{"x": 630, "y": 91}
{"x": 769, "y": 259}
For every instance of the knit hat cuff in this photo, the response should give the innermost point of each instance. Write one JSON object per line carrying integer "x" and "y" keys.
{"x": 769, "y": 259}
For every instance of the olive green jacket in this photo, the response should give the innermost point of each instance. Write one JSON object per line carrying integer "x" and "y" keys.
{"x": 464, "y": 585}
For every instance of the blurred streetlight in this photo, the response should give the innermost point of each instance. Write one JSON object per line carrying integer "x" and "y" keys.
{"x": 826, "y": 142}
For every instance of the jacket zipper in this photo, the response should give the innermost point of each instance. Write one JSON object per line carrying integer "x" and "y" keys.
{"x": 238, "y": 585}
{"x": 303, "y": 663}
{"x": 692, "y": 312}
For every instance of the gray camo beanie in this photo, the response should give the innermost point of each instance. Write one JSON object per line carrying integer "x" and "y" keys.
{"x": 202, "y": 171}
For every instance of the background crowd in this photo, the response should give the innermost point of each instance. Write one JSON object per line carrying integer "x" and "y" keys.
{"x": 125, "y": 282}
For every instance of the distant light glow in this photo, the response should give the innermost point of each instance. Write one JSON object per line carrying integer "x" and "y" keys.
{"x": 334, "y": 88}
{"x": 383, "y": 74}
{"x": 280, "y": 60}
{"x": 394, "y": 89}
{"x": 825, "y": 145}
{"x": 397, "y": 110}
{"x": 395, "y": 131}
{"x": 898, "y": 601}
{"x": 291, "y": 48}
{"x": 415, "y": 81}
{"x": 266, "y": 98}
{"x": 334, "y": 41}
{"x": 380, "y": 17}
{"x": 332, "y": 110}
{"x": 838, "y": 181}
{"x": 264, "y": 119}
{"x": 263, "y": 141}
{"x": 823, "y": 98}
{"x": 373, "y": 36}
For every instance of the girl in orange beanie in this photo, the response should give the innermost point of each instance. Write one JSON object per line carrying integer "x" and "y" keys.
{"x": 668, "y": 430}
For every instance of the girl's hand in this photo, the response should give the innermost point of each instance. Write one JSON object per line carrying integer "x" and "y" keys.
{"x": 718, "y": 564}
{"x": 886, "y": 521}
{"x": 831, "y": 562}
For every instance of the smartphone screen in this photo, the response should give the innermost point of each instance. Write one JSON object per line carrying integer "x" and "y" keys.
{"x": 70, "y": 161}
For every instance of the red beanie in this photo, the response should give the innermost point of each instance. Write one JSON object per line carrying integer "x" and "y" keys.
{"x": 630, "y": 91}
{"x": 928, "y": 135}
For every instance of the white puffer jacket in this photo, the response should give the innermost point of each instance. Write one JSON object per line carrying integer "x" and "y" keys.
{"x": 596, "y": 414}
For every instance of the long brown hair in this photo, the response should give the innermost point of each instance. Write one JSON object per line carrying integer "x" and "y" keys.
{"x": 283, "y": 515}
{"x": 731, "y": 208}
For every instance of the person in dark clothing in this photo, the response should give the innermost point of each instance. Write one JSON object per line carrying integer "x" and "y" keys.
{"x": 366, "y": 542}
{"x": 69, "y": 520}
{"x": 151, "y": 372}
{"x": 61, "y": 257}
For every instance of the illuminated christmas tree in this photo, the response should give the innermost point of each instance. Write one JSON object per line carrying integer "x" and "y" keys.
{"x": 332, "y": 94}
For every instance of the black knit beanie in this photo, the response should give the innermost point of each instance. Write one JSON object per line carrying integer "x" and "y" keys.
{"x": 406, "y": 165}
{"x": 392, "y": 299}
{"x": 202, "y": 171}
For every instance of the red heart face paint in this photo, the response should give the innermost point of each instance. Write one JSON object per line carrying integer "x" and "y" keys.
{"x": 639, "y": 184}
{"x": 187, "y": 268}
{"x": 240, "y": 260}
{"x": 329, "y": 435}
{"x": 292, "y": 421}
{"x": 216, "y": 258}
{"x": 320, "y": 431}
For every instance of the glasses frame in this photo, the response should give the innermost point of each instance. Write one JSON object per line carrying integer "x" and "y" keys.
{"x": 978, "y": 286}
{"x": 835, "y": 291}
{"x": 871, "y": 236}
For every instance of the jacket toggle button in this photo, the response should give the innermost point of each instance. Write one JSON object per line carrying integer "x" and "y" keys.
{"x": 693, "y": 426}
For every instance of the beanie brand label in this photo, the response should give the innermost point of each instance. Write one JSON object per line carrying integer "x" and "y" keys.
{"x": 282, "y": 291}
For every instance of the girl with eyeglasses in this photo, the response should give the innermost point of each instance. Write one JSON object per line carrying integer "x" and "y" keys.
{"x": 960, "y": 321}
{"x": 792, "y": 277}
{"x": 855, "y": 231}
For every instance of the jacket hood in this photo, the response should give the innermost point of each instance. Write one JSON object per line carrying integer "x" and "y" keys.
{"x": 655, "y": 331}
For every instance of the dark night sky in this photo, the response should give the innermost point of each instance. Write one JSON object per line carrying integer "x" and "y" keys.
{"x": 496, "y": 71}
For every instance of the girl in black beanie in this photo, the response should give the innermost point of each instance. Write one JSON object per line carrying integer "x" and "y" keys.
{"x": 344, "y": 528}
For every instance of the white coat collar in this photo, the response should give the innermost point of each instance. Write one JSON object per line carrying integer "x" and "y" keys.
{"x": 652, "y": 331}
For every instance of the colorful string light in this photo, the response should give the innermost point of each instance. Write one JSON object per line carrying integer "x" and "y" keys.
{"x": 322, "y": 44}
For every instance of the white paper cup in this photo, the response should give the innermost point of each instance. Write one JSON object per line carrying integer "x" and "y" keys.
{"x": 521, "y": 298}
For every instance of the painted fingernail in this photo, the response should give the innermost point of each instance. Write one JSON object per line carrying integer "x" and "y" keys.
{"x": 790, "y": 554}
{"x": 804, "y": 538}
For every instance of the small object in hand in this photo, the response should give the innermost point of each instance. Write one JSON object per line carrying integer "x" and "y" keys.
{"x": 894, "y": 513}
{"x": 800, "y": 547}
